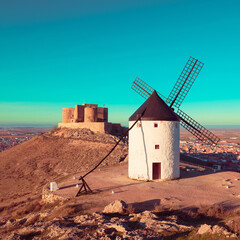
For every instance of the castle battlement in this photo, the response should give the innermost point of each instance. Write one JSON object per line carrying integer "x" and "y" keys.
{"x": 85, "y": 113}
{"x": 89, "y": 116}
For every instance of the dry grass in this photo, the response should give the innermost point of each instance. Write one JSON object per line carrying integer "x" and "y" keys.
{"x": 215, "y": 211}
{"x": 20, "y": 208}
{"x": 27, "y": 208}
{"x": 210, "y": 214}
{"x": 33, "y": 207}
{"x": 205, "y": 212}
{"x": 164, "y": 210}
{"x": 67, "y": 209}
{"x": 62, "y": 211}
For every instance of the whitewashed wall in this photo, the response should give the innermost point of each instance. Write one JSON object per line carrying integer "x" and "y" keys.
{"x": 142, "y": 152}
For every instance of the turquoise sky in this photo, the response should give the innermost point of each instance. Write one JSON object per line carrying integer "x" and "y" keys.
{"x": 56, "y": 54}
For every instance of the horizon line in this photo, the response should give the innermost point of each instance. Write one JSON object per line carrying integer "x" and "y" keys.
{"x": 49, "y": 125}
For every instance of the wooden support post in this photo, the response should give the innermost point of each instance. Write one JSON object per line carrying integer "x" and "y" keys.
{"x": 84, "y": 187}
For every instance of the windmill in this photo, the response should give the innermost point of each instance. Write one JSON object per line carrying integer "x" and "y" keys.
{"x": 176, "y": 97}
{"x": 173, "y": 102}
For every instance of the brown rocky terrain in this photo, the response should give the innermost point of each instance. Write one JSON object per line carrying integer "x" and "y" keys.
{"x": 26, "y": 167}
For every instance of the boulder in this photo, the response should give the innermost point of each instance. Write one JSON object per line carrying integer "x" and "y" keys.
{"x": 205, "y": 228}
{"x": 216, "y": 229}
{"x": 118, "y": 206}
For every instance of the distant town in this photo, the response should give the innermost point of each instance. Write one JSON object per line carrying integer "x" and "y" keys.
{"x": 225, "y": 156}
{"x": 10, "y": 137}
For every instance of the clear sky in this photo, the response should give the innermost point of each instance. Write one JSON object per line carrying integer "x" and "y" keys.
{"x": 59, "y": 53}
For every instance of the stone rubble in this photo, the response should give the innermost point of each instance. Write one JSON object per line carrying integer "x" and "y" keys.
{"x": 94, "y": 226}
{"x": 86, "y": 135}
{"x": 105, "y": 226}
{"x": 205, "y": 228}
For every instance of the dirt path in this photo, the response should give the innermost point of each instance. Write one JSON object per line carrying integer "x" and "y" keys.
{"x": 196, "y": 186}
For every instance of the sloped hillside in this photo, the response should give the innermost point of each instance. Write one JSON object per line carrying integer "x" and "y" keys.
{"x": 25, "y": 168}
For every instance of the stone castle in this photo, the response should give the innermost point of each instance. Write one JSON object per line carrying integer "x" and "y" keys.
{"x": 90, "y": 116}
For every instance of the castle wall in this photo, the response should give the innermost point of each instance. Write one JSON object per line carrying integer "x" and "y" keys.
{"x": 117, "y": 129}
{"x": 105, "y": 114}
{"x": 102, "y": 114}
{"x": 101, "y": 127}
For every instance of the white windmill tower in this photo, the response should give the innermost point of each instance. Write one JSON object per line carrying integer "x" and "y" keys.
{"x": 154, "y": 141}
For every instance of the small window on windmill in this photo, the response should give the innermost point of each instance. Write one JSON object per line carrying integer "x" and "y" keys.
{"x": 156, "y": 146}
{"x": 139, "y": 125}
{"x": 155, "y": 125}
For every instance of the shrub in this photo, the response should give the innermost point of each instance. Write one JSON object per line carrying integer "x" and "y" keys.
{"x": 216, "y": 210}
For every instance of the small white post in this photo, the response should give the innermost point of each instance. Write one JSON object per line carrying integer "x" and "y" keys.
{"x": 53, "y": 186}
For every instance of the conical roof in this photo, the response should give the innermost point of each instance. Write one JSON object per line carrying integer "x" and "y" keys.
{"x": 155, "y": 109}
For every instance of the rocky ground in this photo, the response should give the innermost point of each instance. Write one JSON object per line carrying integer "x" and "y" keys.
{"x": 27, "y": 167}
{"x": 116, "y": 221}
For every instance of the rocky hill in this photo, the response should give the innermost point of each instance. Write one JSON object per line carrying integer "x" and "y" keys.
{"x": 26, "y": 167}
{"x": 120, "y": 221}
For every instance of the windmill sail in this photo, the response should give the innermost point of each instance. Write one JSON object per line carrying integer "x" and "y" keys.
{"x": 197, "y": 129}
{"x": 144, "y": 90}
{"x": 184, "y": 82}
{"x": 200, "y": 132}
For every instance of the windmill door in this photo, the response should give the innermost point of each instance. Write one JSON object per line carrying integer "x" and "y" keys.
{"x": 156, "y": 171}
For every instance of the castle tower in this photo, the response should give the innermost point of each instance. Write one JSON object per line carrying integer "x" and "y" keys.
{"x": 154, "y": 142}
{"x": 90, "y": 114}
{"x": 67, "y": 115}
